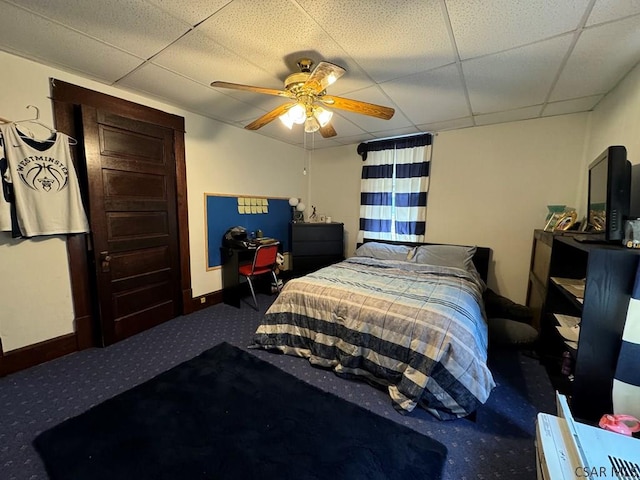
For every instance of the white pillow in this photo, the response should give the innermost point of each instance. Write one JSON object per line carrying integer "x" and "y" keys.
{"x": 446, "y": 256}
{"x": 385, "y": 251}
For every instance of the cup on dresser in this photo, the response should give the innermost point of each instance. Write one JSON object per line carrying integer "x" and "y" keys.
{"x": 328, "y": 219}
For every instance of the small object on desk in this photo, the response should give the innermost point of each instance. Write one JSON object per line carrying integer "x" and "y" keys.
{"x": 266, "y": 240}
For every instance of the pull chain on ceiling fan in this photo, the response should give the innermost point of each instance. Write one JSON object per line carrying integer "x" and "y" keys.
{"x": 307, "y": 89}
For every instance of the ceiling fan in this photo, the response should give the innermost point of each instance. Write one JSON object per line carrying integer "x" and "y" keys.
{"x": 307, "y": 90}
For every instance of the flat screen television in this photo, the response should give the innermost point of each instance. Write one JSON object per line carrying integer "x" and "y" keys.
{"x": 609, "y": 194}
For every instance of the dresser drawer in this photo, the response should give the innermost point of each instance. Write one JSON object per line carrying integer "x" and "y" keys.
{"x": 332, "y": 247}
{"x": 316, "y": 232}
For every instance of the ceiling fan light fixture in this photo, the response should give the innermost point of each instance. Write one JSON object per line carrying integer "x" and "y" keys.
{"x": 311, "y": 124}
{"x": 286, "y": 119}
{"x": 297, "y": 113}
{"x": 305, "y": 90}
{"x": 322, "y": 116}
{"x": 331, "y": 78}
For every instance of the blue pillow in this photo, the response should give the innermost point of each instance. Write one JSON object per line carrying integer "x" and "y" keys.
{"x": 385, "y": 251}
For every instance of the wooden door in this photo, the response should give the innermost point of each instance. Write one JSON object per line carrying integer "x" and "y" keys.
{"x": 133, "y": 215}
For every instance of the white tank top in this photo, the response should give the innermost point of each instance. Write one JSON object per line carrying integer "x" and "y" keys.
{"x": 45, "y": 185}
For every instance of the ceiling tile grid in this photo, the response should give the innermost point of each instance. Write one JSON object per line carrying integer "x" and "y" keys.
{"x": 482, "y": 27}
{"x": 132, "y": 25}
{"x": 441, "y": 64}
{"x": 602, "y": 56}
{"x": 364, "y": 28}
{"x": 515, "y": 78}
{"x": 48, "y": 42}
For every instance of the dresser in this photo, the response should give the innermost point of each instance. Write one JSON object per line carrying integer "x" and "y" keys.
{"x": 316, "y": 245}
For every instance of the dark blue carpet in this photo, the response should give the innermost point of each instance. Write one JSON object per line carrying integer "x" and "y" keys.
{"x": 226, "y": 414}
{"x": 498, "y": 445}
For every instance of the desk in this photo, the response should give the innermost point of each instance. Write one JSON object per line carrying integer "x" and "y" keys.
{"x": 231, "y": 259}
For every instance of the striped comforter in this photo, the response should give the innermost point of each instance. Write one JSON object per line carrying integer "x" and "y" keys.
{"x": 417, "y": 329}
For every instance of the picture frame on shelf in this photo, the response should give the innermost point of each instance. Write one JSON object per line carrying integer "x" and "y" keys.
{"x": 552, "y": 221}
{"x": 566, "y": 220}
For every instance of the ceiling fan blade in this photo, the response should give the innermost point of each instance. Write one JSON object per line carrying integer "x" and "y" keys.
{"x": 250, "y": 88}
{"x": 323, "y": 75}
{"x": 269, "y": 116}
{"x": 327, "y": 131}
{"x": 357, "y": 106}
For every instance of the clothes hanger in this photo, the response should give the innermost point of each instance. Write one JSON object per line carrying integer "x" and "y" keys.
{"x": 36, "y": 120}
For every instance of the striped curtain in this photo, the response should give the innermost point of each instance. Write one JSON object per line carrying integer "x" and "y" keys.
{"x": 626, "y": 382}
{"x": 393, "y": 188}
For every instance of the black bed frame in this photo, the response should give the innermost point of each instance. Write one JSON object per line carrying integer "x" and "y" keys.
{"x": 481, "y": 258}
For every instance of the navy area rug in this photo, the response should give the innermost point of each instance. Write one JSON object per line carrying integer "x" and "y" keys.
{"x": 226, "y": 414}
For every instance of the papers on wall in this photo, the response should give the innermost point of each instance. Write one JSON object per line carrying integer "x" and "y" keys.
{"x": 252, "y": 205}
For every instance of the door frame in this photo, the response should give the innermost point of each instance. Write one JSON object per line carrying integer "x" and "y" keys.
{"x": 66, "y": 97}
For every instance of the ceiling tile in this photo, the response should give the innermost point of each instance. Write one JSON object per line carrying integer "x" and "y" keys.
{"x": 134, "y": 26}
{"x": 430, "y": 96}
{"x": 363, "y": 27}
{"x": 163, "y": 84}
{"x": 397, "y": 132}
{"x": 192, "y": 11}
{"x": 508, "y": 116}
{"x": 601, "y": 57}
{"x": 271, "y": 33}
{"x": 583, "y": 104}
{"x": 365, "y": 137}
{"x": 191, "y": 56}
{"x": 606, "y": 10}
{"x": 448, "y": 125}
{"x": 344, "y": 125}
{"x": 487, "y": 26}
{"x": 373, "y": 124}
{"x": 31, "y": 36}
{"x": 515, "y": 78}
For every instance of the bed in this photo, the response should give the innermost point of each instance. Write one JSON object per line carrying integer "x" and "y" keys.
{"x": 406, "y": 317}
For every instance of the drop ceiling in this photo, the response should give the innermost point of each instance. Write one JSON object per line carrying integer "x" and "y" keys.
{"x": 442, "y": 64}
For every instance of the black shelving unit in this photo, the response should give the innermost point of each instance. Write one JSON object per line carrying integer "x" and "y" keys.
{"x": 607, "y": 273}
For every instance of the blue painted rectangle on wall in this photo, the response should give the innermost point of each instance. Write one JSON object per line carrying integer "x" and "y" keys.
{"x": 222, "y": 213}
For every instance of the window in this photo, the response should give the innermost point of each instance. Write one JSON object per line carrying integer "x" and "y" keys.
{"x": 393, "y": 188}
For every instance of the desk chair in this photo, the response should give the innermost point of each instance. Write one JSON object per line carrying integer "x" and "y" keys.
{"x": 264, "y": 261}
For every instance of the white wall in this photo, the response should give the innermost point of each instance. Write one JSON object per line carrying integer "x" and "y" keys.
{"x": 615, "y": 121}
{"x": 489, "y": 186}
{"x": 35, "y": 292}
